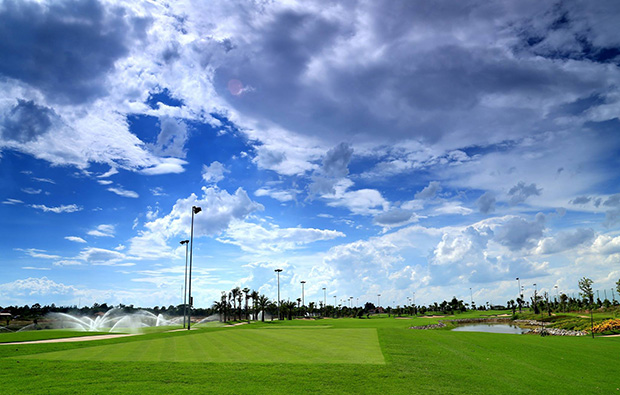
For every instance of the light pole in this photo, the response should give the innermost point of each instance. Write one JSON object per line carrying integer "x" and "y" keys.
{"x": 195, "y": 210}
{"x": 335, "y": 311}
{"x": 378, "y": 300}
{"x": 324, "y": 301}
{"x": 302, "y": 294}
{"x": 471, "y": 297}
{"x": 557, "y": 295}
{"x": 186, "y": 243}
{"x": 278, "y": 273}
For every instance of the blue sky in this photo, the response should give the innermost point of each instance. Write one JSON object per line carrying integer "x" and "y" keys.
{"x": 369, "y": 148}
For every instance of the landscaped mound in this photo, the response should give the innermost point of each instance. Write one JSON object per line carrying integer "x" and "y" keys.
{"x": 612, "y": 325}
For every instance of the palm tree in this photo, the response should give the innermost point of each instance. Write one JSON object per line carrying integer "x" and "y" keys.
{"x": 219, "y": 307}
{"x": 246, "y": 291}
{"x": 262, "y": 302}
{"x": 254, "y": 295}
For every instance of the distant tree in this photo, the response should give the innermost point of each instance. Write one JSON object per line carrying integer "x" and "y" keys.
{"x": 585, "y": 285}
{"x": 618, "y": 287}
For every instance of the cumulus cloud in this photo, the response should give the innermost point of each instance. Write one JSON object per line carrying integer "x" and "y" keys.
{"x": 26, "y": 121}
{"x": 335, "y": 167}
{"x": 520, "y": 192}
{"x": 429, "y": 191}
{"x": 74, "y": 69}
{"x": 518, "y": 233}
{"x": 563, "y": 241}
{"x": 171, "y": 139}
{"x": 35, "y": 286}
{"x": 214, "y": 172}
{"x": 486, "y": 203}
{"x": 581, "y": 200}
{"x": 395, "y": 217}
{"x": 219, "y": 209}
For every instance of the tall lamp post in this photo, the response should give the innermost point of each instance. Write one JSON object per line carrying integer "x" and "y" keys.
{"x": 324, "y": 301}
{"x": 303, "y": 302}
{"x": 378, "y": 301}
{"x": 278, "y": 272}
{"x": 195, "y": 210}
{"x": 519, "y": 293}
{"x": 185, "y": 242}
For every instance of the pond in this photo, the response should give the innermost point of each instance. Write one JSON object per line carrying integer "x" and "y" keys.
{"x": 491, "y": 328}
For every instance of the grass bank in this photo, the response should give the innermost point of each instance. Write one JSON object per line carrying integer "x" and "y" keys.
{"x": 441, "y": 362}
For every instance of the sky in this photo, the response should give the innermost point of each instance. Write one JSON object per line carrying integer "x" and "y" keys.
{"x": 417, "y": 150}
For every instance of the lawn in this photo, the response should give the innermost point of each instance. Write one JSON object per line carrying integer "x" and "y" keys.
{"x": 295, "y": 358}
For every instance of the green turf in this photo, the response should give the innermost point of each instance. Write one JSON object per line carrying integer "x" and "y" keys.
{"x": 358, "y": 346}
{"x": 437, "y": 361}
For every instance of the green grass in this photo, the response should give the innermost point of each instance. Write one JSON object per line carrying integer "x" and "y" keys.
{"x": 441, "y": 362}
{"x": 301, "y": 345}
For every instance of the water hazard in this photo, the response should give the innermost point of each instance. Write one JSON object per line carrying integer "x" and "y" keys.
{"x": 491, "y": 328}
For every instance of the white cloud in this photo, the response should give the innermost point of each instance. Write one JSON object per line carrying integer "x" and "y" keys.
{"x": 429, "y": 191}
{"x": 12, "y": 201}
{"x": 36, "y": 253}
{"x": 256, "y": 238}
{"x": 103, "y": 230}
{"x": 34, "y": 286}
{"x": 35, "y": 268}
{"x": 75, "y": 239}
{"x": 67, "y": 262}
{"x": 219, "y": 209}
{"x": 278, "y": 194}
{"x": 124, "y": 193}
{"x": 31, "y": 191}
{"x": 518, "y": 233}
{"x": 606, "y": 245}
{"x": 171, "y": 139}
{"x": 70, "y": 208}
{"x": 395, "y": 217}
{"x": 108, "y": 173}
{"x": 214, "y": 173}
{"x": 101, "y": 256}
{"x": 166, "y": 166}
{"x": 563, "y": 241}
{"x": 452, "y": 208}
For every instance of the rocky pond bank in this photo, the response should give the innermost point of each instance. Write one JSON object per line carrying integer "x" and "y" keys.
{"x": 535, "y": 327}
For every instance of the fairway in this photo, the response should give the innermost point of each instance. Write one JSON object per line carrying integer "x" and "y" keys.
{"x": 311, "y": 346}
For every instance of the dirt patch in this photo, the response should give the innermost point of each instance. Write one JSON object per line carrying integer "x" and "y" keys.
{"x": 610, "y": 336}
{"x": 237, "y": 324}
{"x": 70, "y": 339}
{"x": 504, "y": 315}
{"x": 433, "y": 316}
{"x": 403, "y": 318}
